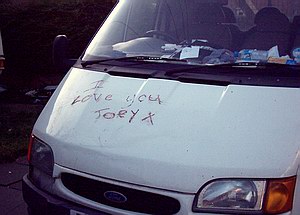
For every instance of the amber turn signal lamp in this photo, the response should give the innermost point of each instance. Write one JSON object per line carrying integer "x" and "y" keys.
{"x": 279, "y": 195}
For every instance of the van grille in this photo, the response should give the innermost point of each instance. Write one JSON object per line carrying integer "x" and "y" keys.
{"x": 136, "y": 200}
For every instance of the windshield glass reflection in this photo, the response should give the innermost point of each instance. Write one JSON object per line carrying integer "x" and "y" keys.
{"x": 201, "y": 31}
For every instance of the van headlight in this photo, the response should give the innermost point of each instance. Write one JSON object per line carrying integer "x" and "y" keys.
{"x": 41, "y": 163}
{"x": 246, "y": 196}
{"x": 232, "y": 194}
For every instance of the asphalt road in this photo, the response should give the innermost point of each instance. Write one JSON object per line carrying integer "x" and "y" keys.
{"x": 11, "y": 200}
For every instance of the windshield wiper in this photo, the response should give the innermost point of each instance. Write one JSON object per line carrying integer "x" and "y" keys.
{"x": 131, "y": 58}
{"x": 230, "y": 66}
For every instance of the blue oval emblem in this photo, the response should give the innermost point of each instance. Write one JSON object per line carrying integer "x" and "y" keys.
{"x": 114, "y": 196}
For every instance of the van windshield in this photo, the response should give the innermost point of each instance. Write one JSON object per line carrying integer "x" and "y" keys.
{"x": 201, "y": 31}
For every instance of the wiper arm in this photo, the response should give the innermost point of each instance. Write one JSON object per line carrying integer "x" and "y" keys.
{"x": 195, "y": 69}
{"x": 131, "y": 58}
{"x": 243, "y": 65}
{"x": 257, "y": 65}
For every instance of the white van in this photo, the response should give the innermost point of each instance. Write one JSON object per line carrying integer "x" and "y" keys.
{"x": 175, "y": 107}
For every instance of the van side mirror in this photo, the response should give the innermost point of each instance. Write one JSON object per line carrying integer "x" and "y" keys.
{"x": 59, "y": 54}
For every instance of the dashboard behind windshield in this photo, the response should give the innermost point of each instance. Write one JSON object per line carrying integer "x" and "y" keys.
{"x": 202, "y": 31}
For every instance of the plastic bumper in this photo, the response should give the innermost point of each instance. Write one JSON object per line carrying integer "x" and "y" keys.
{"x": 38, "y": 200}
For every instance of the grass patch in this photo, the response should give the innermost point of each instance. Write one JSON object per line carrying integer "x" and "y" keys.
{"x": 16, "y": 123}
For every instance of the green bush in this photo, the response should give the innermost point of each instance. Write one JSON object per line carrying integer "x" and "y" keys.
{"x": 28, "y": 30}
